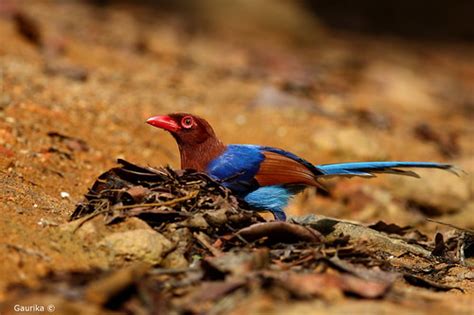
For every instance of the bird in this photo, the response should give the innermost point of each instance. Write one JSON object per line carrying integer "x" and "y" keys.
{"x": 266, "y": 178}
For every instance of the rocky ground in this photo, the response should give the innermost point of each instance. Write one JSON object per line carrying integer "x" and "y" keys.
{"x": 79, "y": 80}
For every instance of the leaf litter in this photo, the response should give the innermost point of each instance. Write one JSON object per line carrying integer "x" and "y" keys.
{"x": 230, "y": 251}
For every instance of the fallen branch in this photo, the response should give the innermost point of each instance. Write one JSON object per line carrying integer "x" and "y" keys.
{"x": 333, "y": 228}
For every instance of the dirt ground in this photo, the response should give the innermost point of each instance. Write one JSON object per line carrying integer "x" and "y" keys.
{"x": 78, "y": 82}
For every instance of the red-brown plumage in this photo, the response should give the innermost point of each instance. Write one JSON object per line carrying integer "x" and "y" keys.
{"x": 278, "y": 169}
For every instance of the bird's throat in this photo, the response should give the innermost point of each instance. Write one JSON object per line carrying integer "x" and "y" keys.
{"x": 198, "y": 156}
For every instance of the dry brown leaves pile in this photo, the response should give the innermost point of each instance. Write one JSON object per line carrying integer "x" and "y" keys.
{"x": 159, "y": 196}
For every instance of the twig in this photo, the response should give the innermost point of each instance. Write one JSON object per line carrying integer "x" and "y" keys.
{"x": 87, "y": 218}
{"x": 160, "y": 204}
{"x": 215, "y": 252}
{"x": 451, "y": 225}
{"x": 243, "y": 240}
{"x": 103, "y": 203}
{"x": 156, "y": 204}
{"x": 300, "y": 261}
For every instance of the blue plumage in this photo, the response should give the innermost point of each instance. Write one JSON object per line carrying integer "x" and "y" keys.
{"x": 368, "y": 169}
{"x": 237, "y": 167}
{"x": 274, "y": 198}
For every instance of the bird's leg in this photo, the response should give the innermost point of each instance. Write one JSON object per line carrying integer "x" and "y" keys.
{"x": 279, "y": 215}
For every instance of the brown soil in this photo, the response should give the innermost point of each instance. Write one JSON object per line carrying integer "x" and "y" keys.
{"x": 96, "y": 74}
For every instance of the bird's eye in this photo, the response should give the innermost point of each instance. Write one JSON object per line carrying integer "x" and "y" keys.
{"x": 187, "y": 122}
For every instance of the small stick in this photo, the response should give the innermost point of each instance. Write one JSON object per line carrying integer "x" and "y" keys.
{"x": 160, "y": 204}
{"x": 93, "y": 215}
{"x": 87, "y": 218}
{"x": 215, "y": 252}
{"x": 451, "y": 225}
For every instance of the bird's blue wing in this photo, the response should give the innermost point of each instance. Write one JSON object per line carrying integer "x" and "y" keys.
{"x": 236, "y": 167}
{"x": 265, "y": 177}
{"x": 244, "y": 168}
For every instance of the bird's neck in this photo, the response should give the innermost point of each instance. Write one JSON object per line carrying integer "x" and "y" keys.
{"x": 198, "y": 156}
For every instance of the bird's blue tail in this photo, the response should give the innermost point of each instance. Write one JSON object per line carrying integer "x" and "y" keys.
{"x": 369, "y": 169}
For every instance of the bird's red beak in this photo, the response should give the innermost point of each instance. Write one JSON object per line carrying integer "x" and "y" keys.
{"x": 163, "y": 122}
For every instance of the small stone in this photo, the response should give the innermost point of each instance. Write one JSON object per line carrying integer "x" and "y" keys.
{"x": 65, "y": 195}
{"x": 196, "y": 221}
{"x": 175, "y": 260}
{"x": 10, "y": 120}
{"x": 89, "y": 231}
{"x": 141, "y": 245}
{"x": 45, "y": 223}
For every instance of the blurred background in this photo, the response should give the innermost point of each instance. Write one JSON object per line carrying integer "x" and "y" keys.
{"x": 331, "y": 81}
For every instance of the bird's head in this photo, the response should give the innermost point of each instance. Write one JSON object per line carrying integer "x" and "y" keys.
{"x": 187, "y": 129}
{"x": 197, "y": 142}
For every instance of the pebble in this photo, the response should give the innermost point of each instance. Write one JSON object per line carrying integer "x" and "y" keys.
{"x": 144, "y": 245}
{"x": 65, "y": 195}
